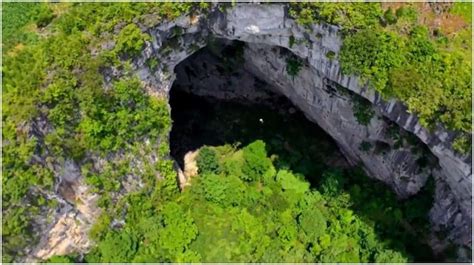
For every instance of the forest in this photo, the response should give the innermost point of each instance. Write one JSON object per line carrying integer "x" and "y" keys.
{"x": 55, "y": 109}
{"x": 242, "y": 208}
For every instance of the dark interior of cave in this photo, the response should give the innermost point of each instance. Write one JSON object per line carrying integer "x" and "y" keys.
{"x": 206, "y": 120}
{"x": 200, "y": 118}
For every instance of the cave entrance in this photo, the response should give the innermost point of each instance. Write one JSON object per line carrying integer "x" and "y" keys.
{"x": 215, "y": 101}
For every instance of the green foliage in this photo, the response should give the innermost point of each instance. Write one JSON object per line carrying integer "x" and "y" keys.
{"x": 363, "y": 111}
{"x": 464, "y": 9}
{"x": 130, "y": 40}
{"x": 178, "y": 230}
{"x": 152, "y": 63}
{"x": 256, "y": 161}
{"x": 62, "y": 259}
{"x": 390, "y": 256}
{"x": 226, "y": 191}
{"x": 118, "y": 246}
{"x": 313, "y": 223}
{"x": 390, "y": 17}
{"x": 15, "y": 17}
{"x": 462, "y": 144}
{"x": 290, "y": 182}
{"x": 350, "y": 17}
{"x": 365, "y": 146}
{"x": 207, "y": 161}
{"x": 132, "y": 115}
{"x": 220, "y": 218}
{"x": 291, "y": 41}
{"x": 293, "y": 66}
{"x": 44, "y": 17}
{"x": 332, "y": 183}
{"x": 400, "y": 57}
{"x": 330, "y": 55}
{"x": 407, "y": 13}
{"x": 371, "y": 54}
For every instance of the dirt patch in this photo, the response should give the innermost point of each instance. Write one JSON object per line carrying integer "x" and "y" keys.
{"x": 435, "y": 16}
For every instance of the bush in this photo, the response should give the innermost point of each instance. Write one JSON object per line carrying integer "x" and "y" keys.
{"x": 62, "y": 259}
{"x": 207, "y": 161}
{"x": 293, "y": 66}
{"x": 332, "y": 183}
{"x": 363, "y": 111}
{"x": 390, "y": 17}
{"x": 226, "y": 191}
{"x": 462, "y": 144}
{"x": 118, "y": 246}
{"x": 256, "y": 161}
{"x": 330, "y": 55}
{"x": 44, "y": 17}
{"x": 130, "y": 40}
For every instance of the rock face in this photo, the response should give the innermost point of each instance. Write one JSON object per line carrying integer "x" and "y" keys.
{"x": 327, "y": 97}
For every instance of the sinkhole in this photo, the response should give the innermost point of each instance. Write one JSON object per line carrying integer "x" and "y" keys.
{"x": 215, "y": 101}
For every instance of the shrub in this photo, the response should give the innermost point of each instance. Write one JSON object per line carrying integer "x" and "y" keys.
{"x": 44, "y": 17}
{"x": 313, "y": 223}
{"x": 291, "y": 41}
{"x": 462, "y": 144}
{"x": 293, "y": 66}
{"x": 207, "y": 161}
{"x": 332, "y": 183}
{"x": 130, "y": 40}
{"x": 363, "y": 111}
{"x": 256, "y": 161}
{"x": 330, "y": 55}
{"x": 226, "y": 191}
{"x": 365, "y": 146}
{"x": 390, "y": 17}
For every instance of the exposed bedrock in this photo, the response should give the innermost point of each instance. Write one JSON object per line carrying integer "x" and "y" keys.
{"x": 327, "y": 97}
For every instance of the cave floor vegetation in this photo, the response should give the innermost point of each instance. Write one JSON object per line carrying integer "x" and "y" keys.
{"x": 296, "y": 145}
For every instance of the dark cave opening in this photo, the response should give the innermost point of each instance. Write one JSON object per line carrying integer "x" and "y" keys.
{"x": 214, "y": 101}
{"x": 200, "y": 121}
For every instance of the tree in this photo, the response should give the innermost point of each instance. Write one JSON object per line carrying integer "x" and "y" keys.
{"x": 178, "y": 229}
{"x": 332, "y": 183}
{"x": 118, "y": 246}
{"x": 226, "y": 191}
{"x": 256, "y": 161}
{"x": 290, "y": 182}
{"x": 313, "y": 223}
{"x": 390, "y": 256}
{"x": 207, "y": 161}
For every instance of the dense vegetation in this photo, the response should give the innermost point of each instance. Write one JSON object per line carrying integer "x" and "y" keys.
{"x": 55, "y": 108}
{"x": 242, "y": 208}
{"x": 401, "y": 52}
